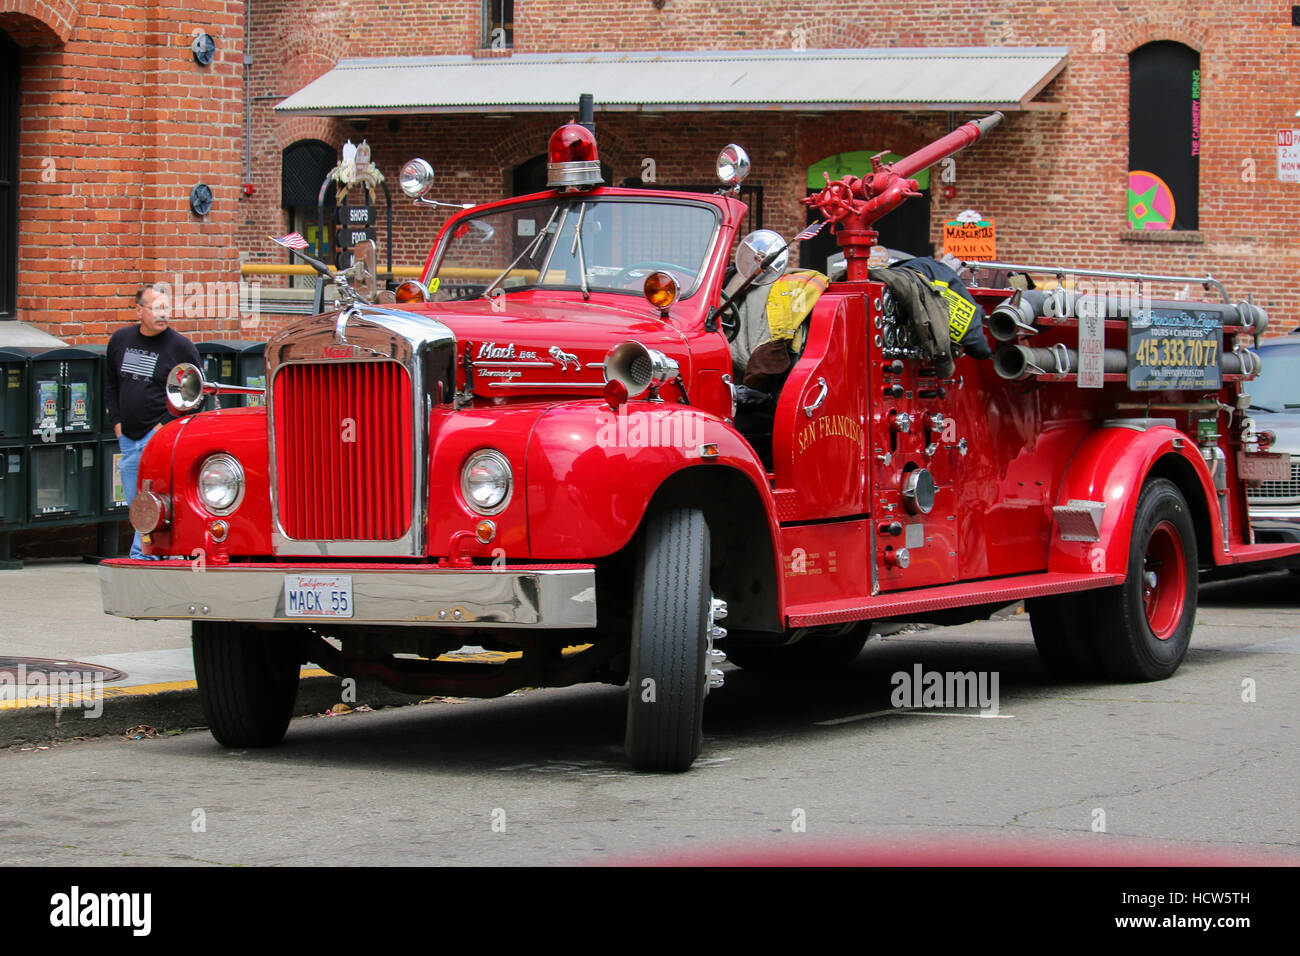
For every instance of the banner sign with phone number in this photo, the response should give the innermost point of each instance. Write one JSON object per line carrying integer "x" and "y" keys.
{"x": 1172, "y": 349}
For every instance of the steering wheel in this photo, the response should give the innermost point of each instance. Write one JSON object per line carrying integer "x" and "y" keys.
{"x": 728, "y": 319}
{"x": 685, "y": 277}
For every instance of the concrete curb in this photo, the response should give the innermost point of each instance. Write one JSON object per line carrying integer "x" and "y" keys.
{"x": 167, "y": 706}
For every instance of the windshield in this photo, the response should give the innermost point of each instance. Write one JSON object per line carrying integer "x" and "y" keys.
{"x": 538, "y": 245}
{"x": 1277, "y": 386}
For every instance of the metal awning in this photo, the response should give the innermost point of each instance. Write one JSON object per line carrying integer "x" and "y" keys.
{"x": 921, "y": 78}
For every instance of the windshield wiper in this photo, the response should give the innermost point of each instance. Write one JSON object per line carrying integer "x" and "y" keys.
{"x": 1261, "y": 408}
{"x": 577, "y": 246}
{"x": 530, "y": 250}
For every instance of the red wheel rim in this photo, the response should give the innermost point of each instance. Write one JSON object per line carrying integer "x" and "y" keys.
{"x": 1164, "y": 581}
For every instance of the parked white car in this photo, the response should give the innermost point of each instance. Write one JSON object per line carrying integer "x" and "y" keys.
{"x": 1275, "y": 407}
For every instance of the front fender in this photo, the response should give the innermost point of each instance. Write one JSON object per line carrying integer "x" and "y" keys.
{"x": 592, "y": 473}
{"x": 1110, "y": 465}
{"x": 240, "y": 432}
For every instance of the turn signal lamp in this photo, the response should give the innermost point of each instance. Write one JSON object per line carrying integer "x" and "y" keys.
{"x": 615, "y": 394}
{"x": 661, "y": 291}
{"x": 571, "y": 159}
{"x": 411, "y": 291}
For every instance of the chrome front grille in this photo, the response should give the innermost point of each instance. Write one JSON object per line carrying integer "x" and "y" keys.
{"x": 344, "y": 451}
{"x": 1274, "y": 490}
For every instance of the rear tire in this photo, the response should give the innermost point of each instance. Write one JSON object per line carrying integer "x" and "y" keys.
{"x": 668, "y": 672}
{"x": 248, "y": 681}
{"x": 1144, "y": 625}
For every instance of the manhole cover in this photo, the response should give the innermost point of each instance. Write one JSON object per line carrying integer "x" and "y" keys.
{"x": 16, "y": 669}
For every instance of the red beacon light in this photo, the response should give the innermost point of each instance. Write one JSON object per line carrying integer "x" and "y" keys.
{"x": 571, "y": 160}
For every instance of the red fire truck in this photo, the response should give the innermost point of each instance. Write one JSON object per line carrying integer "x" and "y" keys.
{"x": 544, "y": 447}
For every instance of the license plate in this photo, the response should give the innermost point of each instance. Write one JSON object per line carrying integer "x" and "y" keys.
{"x": 318, "y": 595}
{"x": 1264, "y": 467}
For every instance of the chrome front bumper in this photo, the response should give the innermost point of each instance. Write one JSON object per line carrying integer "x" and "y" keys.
{"x": 1280, "y": 518}
{"x": 541, "y": 597}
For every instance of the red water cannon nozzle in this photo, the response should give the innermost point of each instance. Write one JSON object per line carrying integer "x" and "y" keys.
{"x": 855, "y": 204}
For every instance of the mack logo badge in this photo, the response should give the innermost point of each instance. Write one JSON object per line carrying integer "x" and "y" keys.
{"x": 490, "y": 350}
{"x": 339, "y": 351}
{"x": 563, "y": 358}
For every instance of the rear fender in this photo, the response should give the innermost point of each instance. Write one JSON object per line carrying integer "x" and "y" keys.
{"x": 1110, "y": 466}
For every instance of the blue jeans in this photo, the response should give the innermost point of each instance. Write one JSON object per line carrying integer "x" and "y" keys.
{"x": 130, "y": 467}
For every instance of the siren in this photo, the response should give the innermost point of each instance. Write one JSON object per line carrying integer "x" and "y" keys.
{"x": 572, "y": 162}
{"x": 639, "y": 369}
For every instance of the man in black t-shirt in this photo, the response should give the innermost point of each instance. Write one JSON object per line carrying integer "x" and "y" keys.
{"x": 139, "y": 358}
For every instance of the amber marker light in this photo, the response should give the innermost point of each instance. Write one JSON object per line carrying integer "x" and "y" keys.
{"x": 661, "y": 291}
{"x": 411, "y": 291}
{"x": 218, "y": 530}
{"x": 485, "y": 531}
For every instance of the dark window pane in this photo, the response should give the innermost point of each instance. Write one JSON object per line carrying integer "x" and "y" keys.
{"x": 9, "y": 68}
{"x": 498, "y": 24}
{"x": 1164, "y": 136}
{"x": 303, "y": 168}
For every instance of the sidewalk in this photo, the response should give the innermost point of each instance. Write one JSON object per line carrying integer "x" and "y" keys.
{"x": 51, "y": 611}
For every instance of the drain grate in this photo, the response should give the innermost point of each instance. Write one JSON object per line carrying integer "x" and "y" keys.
{"x": 15, "y": 669}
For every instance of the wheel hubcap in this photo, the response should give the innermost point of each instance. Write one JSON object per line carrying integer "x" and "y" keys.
{"x": 1164, "y": 580}
{"x": 712, "y": 657}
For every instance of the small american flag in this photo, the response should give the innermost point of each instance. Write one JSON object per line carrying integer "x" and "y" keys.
{"x": 810, "y": 231}
{"x": 292, "y": 241}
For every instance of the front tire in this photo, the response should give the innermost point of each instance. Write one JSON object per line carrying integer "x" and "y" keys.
{"x": 1144, "y": 625}
{"x": 1062, "y": 628}
{"x": 668, "y": 670}
{"x": 248, "y": 681}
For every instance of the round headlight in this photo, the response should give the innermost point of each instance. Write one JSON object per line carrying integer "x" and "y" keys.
{"x": 485, "y": 481}
{"x": 221, "y": 484}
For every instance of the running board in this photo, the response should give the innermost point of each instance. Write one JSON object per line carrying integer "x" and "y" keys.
{"x": 1247, "y": 553}
{"x": 960, "y": 594}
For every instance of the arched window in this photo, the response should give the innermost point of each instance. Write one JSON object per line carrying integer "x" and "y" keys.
{"x": 303, "y": 168}
{"x": 1164, "y": 141}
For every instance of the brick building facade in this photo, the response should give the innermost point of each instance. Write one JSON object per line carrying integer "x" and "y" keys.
{"x": 118, "y": 122}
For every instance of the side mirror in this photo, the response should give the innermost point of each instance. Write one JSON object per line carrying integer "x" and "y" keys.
{"x": 733, "y": 166}
{"x": 479, "y": 231}
{"x": 416, "y": 178}
{"x": 762, "y": 257}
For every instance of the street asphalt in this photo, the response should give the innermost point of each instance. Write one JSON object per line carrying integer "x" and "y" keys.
{"x": 52, "y": 622}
